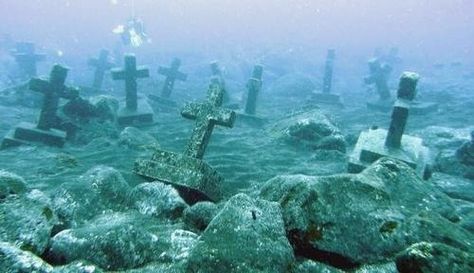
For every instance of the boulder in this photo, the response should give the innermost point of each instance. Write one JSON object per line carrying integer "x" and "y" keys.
{"x": 27, "y": 221}
{"x": 454, "y": 187}
{"x": 134, "y": 138}
{"x": 246, "y": 236}
{"x": 426, "y": 257}
{"x": 157, "y": 199}
{"x": 11, "y": 183}
{"x": 198, "y": 216}
{"x": 352, "y": 219}
{"x": 15, "y": 260}
{"x": 438, "y": 137}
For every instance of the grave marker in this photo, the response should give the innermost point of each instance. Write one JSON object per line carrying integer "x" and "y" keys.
{"x": 172, "y": 74}
{"x": 379, "y": 74}
{"x": 102, "y": 65}
{"x": 326, "y": 97}
{"x": 27, "y": 59}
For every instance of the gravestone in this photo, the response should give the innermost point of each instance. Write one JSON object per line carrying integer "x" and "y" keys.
{"x": 326, "y": 97}
{"x": 217, "y": 74}
{"x": 102, "y": 65}
{"x": 45, "y": 131}
{"x": 134, "y": 112}
{"x": 187, "y": 172}
{"x": 254, "y": 86}
{"x": 27, "y": 59}
{"x": 376, "y": 143}
{"x": 379, "y": 74}
{"x": 172, "y": 74}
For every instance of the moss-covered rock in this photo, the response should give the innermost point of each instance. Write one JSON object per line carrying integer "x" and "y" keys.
{"x": 15, "y": 260}
{"x": 11, "y": 183}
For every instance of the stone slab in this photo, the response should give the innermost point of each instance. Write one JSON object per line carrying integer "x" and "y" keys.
{"x": 163, "y": 102}
{"x": 193, "y": 178}
{"x": 27, "y": 133}
{"x": 371, "y": 146}
{"x": 326, "y": 98}
{"x": 142, "y": 116}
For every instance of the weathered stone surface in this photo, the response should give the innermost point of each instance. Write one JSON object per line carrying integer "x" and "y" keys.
{"x": 309, "y": 266}
{"x": 97, "y": 191}
{"x": 27, "y": 221}
{"x": 454, "y": 187}
{"x": 293, "y": 85}
{"x": 112, "y": 242}
{"x": 198, "y": 216}
{"x": 158, "y": 200}
{"x": 434, "y": 258}
{"x": 11, "y": 183}
{"x": 350, "y": 219}
{"x": 447, "y": 162}
{"x": 443, "y": 137}
{"x": 246, "y": 236}
{"x": 106, "y": 107}
{"x": 137, "y": 139}
{"x": 15, "y": 260}
{"x": 78, "y": 267}
{"x": 311, "y": 129}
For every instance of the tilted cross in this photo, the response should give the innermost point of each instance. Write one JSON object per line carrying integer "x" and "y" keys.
{"x": 379, "y": 74}
{"x": 130, "y": 73}
{"x": 253, "y": 86}
{"x": 52, "y": 89}
{"x": 101, "y": 65}
{"x": 207, "y": 115}
{"x": 327, "y": 81}
{"x": 26, "y": 58}
{"x": 172, "y": 74}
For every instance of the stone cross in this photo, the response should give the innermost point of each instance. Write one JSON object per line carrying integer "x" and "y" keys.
{"x": 53, "y": 90}
{"x": 217, "y": 73}
{"x": 130, "y": 73}
{"x": 101, "y": 65}
{"x": 207, "y": 115}
{"x": 379, "y": 74}
{"x": 253, "y": 86}
{"x": 26, "y": 58}
{"x": 327, "y": 81}
{"x": 172, "y": 74}
{"x": 406, "y": 93}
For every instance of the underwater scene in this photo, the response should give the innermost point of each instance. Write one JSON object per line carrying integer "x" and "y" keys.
{"x": 236, "y": 136}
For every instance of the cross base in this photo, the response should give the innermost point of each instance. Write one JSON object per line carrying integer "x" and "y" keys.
{"x": 194, "y": 179}
{"x": 142, "y": 116}
{"x": 371, "y": 146}
{"x": 27, "y": 134}
{"x": 381, "y": 105}
{"x": 326, "y": 98}
{"x": 162, "y": 102}
{"x": 423, "y": 108}
{"x": 251, "y": 119}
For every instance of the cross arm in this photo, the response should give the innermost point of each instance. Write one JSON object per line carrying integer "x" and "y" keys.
{"x": 38, "y": 85}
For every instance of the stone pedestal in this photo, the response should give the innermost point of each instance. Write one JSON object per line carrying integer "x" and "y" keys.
{"x": 193, "y": 178}
{"x": 140, "y": 117}
{"x": 371, "y": 146}
{"x": 27, "y": 133}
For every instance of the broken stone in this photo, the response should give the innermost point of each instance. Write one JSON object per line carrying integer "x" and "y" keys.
{"x": 172, "y": 75}
{"x": 326, "y": 96}
{"x": 101, "y": 65}
{"x": 134, "y": 112}
{"x": 246, "y": 236}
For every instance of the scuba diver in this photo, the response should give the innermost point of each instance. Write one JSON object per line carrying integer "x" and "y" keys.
{"x": 132, "y": 33}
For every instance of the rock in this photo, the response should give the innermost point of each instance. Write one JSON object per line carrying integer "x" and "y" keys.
{"x": 292, "y": 85}
{"x": 309, "y": 266}
{"x": 198, "y": 216}
{"x": 97, "y": 191}
{"x": 27, "y": 221}
{"x": 312, "y": 129}
{"x": 439, "y": 137}
{"x": 182, "y": 242}
{"x": 446, "y": 162}
{"x": 352, "y": 219}
{"x": 454, "y": 187}
{"x": 11, "y": 183}
{"x": 106, "y": 107}
{"x": 112, "y": 242}
{"x": 78, "y": 267}
{"x": 246, "y": 236}
{"x": 157, "y": 199}
{"x": 134, "y": 138}
{"x": 434, "y": 258}
{"x": 15, "y": 260}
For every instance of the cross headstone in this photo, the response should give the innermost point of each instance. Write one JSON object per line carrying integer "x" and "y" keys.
{"x": 327, "y": 81}
{"x": 130, "y": 73}
{"x": 172, "y": 74}
{"x": 26, "y": 58}
{"x": 253, "y": 86}
{"x": 379, "y": 74}
{"x": 101, "y": 64}
{"x": 207, "y": 115}
{"x": 217, "y": 73}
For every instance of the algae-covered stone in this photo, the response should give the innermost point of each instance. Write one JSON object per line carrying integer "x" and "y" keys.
{"x": 136, "y": 139}
{"x": 246, "y": 236}
{"x": 15, "y": 260}
{"x": 78, "y": 267}
{"x": 27, "y": 221}
{"x": 198, "y": 216}
{"x": 347, "y": 220}
{"x": 157, "y": 199}
{"x": 309, "y": 266}
{"x": 11, "y": 183}
{"x": 434, "y": 258}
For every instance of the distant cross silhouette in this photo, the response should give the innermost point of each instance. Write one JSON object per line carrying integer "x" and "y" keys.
{"x": 26, "y": 58}
{"x": 253, "y": 86}
{"x": 52, "y": 89}
{"x": 379, "y": 74}
{"x": 328, "y": 70}
{"x": 207, "y": 115}
{"x": 101, "y": 65}
{"x": 130, "y": 73}
{"x": 172, "y": 74}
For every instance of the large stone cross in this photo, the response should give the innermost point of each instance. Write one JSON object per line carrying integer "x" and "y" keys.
{"x": 26, "y": 58}
{"x": 207, "y": 115}
{"x": 328, "y": 70}
{"x": 101, "y": 65}
{"x": 130, "y": 73}
{"x": 253, "y": 86}
{"x": 172, "y": 74}
{"x": 379, "y": 74}
{"x": 406, "y": 93}
{"x": 52, "y": 89}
